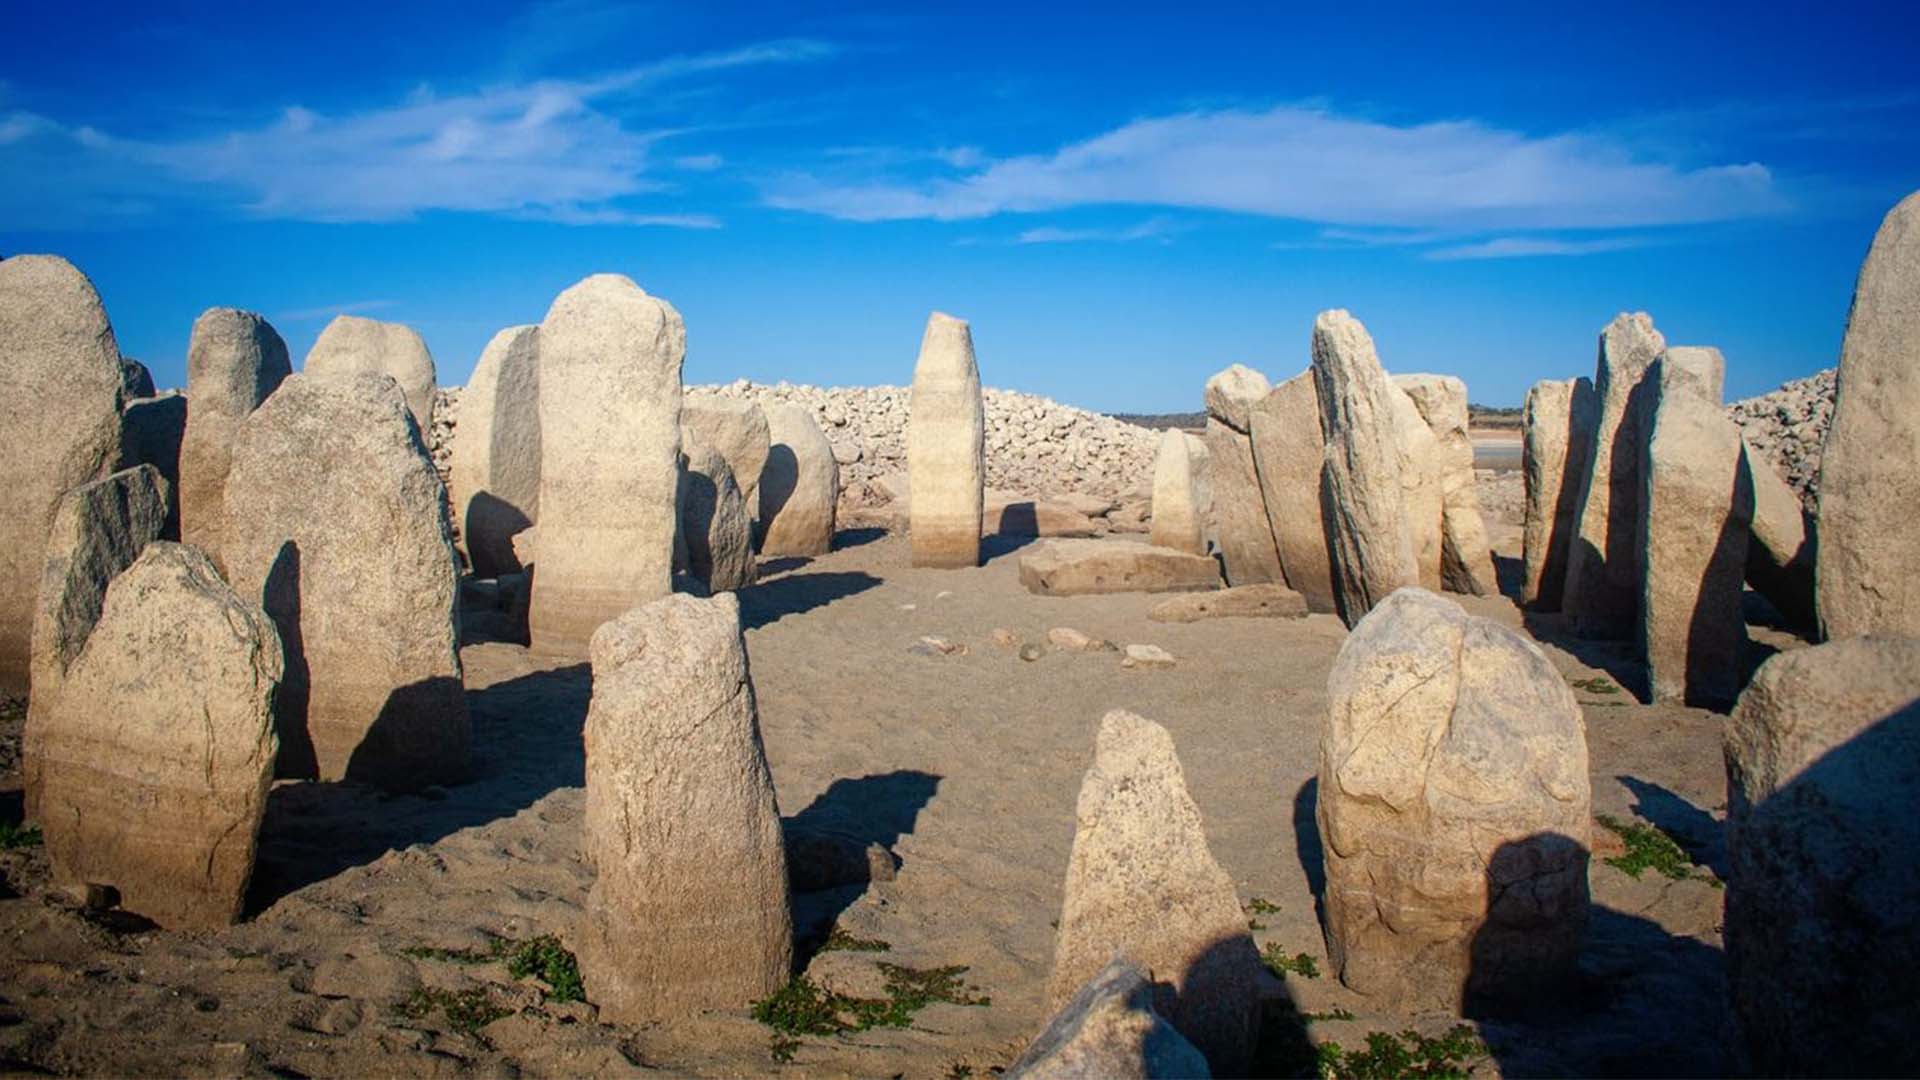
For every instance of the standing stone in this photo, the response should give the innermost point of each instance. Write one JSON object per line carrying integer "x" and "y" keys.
{"x": 1422, "y": 488}
{"x": 1823, "y": 850}
{"x": 1781, "y": 556}
{"x": 1694, "y": 518}
{"x": 156, "y": 757}
{"x": 1869, "y": 565}
{"x": 737, "y": 429}
{"x": 60, "y": 396}
{"x": 336, "y": 525}
{"x": 135, "y": 380}
{"x": 1603, "y": 566}
{"x": 496, "y": 451}
{"x": 1454, "y": 811}
{"x": 610, "y": 359}
{"x": 1110, "y": 1031}
{"x": 1365, "y": 503}
{"x": 351, "y": 343}
{"x": 1247, "y": 546}
{"x": 946, "y": 448}
{"x": 234, "y": 360}
{"x": 1291, "y": 460}
{"x": 1558, "y": 434}
{"x": 799, "y": 487}
{"x": 1142, "y": 882}
{"x": 151, "y": 433}
{"x": 1466, "y": 564}
{"x": 715, "y": 525}
{"x": 689, "y": 910}
{"x": 1182, "y": 493}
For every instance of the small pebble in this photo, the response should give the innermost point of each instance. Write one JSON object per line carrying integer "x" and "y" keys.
{"x": 1146, "y": 656}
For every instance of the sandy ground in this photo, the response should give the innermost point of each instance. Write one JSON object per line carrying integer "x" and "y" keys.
{"x": 965, "y": 766}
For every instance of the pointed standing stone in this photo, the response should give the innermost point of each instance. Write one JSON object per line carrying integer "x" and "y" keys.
{"x": 1182, "y": 493}
{"x": 610, "y": 359}
{"x": 1247, "y": 546}
{"x": 234, "y": 360}
{"x": 1369, "y": 541}
{"x": 737, "y": 428}
{"x": 689, "y": 909}
{"x": 799, "y": 486}
{"x": 1291, "y": 460}
{"x": 946, "y": 447}
{"x": 1466, "y": 555}
{"x": 496, "y": 451}
{"x": 1558, "y": 434}
{"x": 1110, "y": 1031}
{"x": 351, "y": 343}
{"x": 714, "y": 523}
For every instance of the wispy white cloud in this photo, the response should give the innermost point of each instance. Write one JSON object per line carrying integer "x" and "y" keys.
{"x": 328, "y": 311}
{"x": 699, "y": 162}
{"x": 1151, "y": 229}
{"x": 1522, "y": 247}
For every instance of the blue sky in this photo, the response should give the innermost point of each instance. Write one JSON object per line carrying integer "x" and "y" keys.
{"x": 1121, "y": 203}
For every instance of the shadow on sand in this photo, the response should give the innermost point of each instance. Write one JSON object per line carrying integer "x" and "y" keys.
{"x": 770, "y": 601}
{"x": 827, "y": 845}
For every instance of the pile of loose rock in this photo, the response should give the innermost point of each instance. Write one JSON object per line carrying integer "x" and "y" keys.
{"x": 1788, "y": 426}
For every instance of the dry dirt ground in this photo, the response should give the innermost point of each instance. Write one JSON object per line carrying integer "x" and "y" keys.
{"x": 966, "y": 766}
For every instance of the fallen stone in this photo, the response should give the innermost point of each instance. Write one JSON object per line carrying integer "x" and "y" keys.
{"x": 234, "y": 360}
{"x": 1368, "y": 537}
{"x": 495, "y": 476}
{"x": 946, "y": 447}
{"x": 1109, "y": 1029}
{"x": 1557, "y": 436}
{"x": 1182, "y": 493}
{"x": 1146, "y": 656}
{"x": 1238, "y": 602}
{"x": 353, "y": 344}
{"x": 1092, "y": 506}
{"x": 1289, "y": 456}
{"x": 1007, "y": 514}
{"x": 1603, "y": 564}
{"x": 800, "y": 486}
{"x": 1077, "y": 567}
{"x": 937, "y": 646}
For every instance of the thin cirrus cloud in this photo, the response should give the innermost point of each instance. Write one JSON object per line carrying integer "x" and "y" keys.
{"x": 1521, "y": 247}
{"x": 1151, "y": 229}
{"x": 1312, "y": 164}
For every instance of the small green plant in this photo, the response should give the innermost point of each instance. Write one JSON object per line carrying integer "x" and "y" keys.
{"x": 1258, "y": 906}
{"x": 804, "y": 1008}
{"x": 1650, "y": 847}
{"x": 1596, "y": 685}
{"x": 1409, "y": 1054}
{"x": 14, "y": 837}
{"x": 839, "y": 940}
{"x": 467, "y": 1011}
{"x": 1280, "y": 963}
{"x": 550, "y": 962}
{"x": 1330, "y": 1014}
{"x": 782, "y": 1048}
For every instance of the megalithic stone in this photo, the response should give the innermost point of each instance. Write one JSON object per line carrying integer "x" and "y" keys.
{"x": 1247, "y": 545}
{"x": 1291, "y": 459}
{"x": 1368, "y": 537}
{"x": 799, "y": 488}
{"x": 353, "y": 344}
{"x": 1182, "y": 493}
{"x": 1557, "y": 436}
{"x": 234, "y": 360}
{"x": 1466, "y": 555}
{"x": 946, "y": 448}
{"x": 495, "y": 474}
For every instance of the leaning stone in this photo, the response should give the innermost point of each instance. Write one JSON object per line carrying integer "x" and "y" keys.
{"x": 151, "y": 433}
{"x": 495, "y": 474}
{"x": 1291, "y": 460}
{"x": 799, "y": 487}
{"x": 1454, "y": 811}
{"x": 946, "y": 447}
{"x": 1077, "y": 567}
{"x": 1247, "y": 546}
{"x": 156, "y": 757}
{"x": 689, "y": 910}
{"x": 1781, "y": 555}
{"x": 1267, "y": 601}
{"x": 1372, "y": 547}
{"x": 1422, "y": 486}
{"x": 1146, "y": 656}
{"x": 1182, "y": 493}
{"x": 1109, "y": 1029}
{"x": 1557, "y": 437}
{"x": 234, "y": 360}
{"x": 1823, "y": 888}
{"x": 737, "y": 429}
{"x": 60, "y": 395}
{"x": 1603, "y": 565}
{"x": 337, "y": 526}
{"x": 1869, "y": 565}
{"x": 350, "y": 343}
{"x": 714, "y": 522}
{"x": 1142, "y": 882}
{"x": 610, "y": 359}
{"x": 1466, "y": 556}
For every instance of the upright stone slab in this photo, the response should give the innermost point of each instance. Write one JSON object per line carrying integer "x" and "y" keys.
{"x": 496, "y": 451}
{"x": 714, "y": 523}
{"x": 610, "y": 359}
{"x": 946, "y": 448}
{"x": 336, "y": 525}
{"x": 1454, "y": 811}
{"x": 353, "y": 344}
{"x": 1694, "y": 519}
{"x": 1466, "y": 555}
{"x": 799, "y": 487}
{"x": 1422, "y": 487}
{"x": 1603, "y": 566}
{"x": 1109, "y": 1029}
{"x": 152, "y": 431}
{"x": 1781, "y": 556}
{"x": 1247, "y": 546}
{"x": 60, "y": 394}
{"x": 156, "y": 756}
{"x": 234, "y": 360}
{"x": 1182, "y": 493}
{"x": 1869, "y": 565}
{"x": 737, "y": 428}
{"x": 1364, "y": 499}
{"x": 1557, "y": 435}
{"x": 1823, "y": 850}
{"x": 689, "y": 908}
{"x": 1289, "y": 456}
{"x": 1142, "y": 882}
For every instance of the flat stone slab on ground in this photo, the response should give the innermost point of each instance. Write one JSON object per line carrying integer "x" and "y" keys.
{"x": 1078, "y": 567}
{"x": 1266, "y": 601}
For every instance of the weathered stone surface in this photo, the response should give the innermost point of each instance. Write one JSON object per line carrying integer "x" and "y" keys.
{"x": 1869, "y": 565}
{"x": 135, "y": 380}
{"x": 1092, "y": 506}
{"x": 1182, "y": 493}
{"x": 1454, "y": 810}
{"x": 714, "y": 522}
{"x": 1291, "y": 460}
{"x": 1694, "y": 519}
{"x": 1077, "y": 567}
{"x": 1247, "y": 545}
{"x": 946, "y": 447}
{"x": 1557, "y": 435}
{"x": 1700, "y": 370}
{"x": 1148, "y": 657}
{"x": 151, "y": 433}
{"x": 234, "y": 360}
{"x": 350, "y": 343}
{"x": 1603, "y": 565}
{"x": 336, "y": 525}
{"x": 1422, "y": 487}
{"x": 60, "y": 395}
{"x": 495, "y": 476}
{"x": 156, "y": 755}
{"x": 1466, "y": 555}
{"x": 1365, "y": 502}
{"x": 737, "y": 429}
{"x": 1142, "y": 882}
{"x": 1823, "y": 888}
{"x": 1071, "y": 640}
{"x": 689, "y": 910}
{"x": 610, "y": 359}
{"x": 1004, "y": 513}
{"x": 1109, "y": 1029}
{"x": 1268, "y": 601}
{"x": 799, "y": 487}
{"x": 1781, "y": 555}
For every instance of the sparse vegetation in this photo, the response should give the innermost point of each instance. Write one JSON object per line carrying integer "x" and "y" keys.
{"x": 1599, "y": 684}
{"x": 1280, "y": 963}
{"x": 14, "y": 836}
{"x": 1335, "y": 1013}
{"x": 543, "y": 958}
{"x": 1649, "y": 847}
{"x": 839, "y": 940}
{"x": 467, "y": 1011}
{"x": 1409, "y": 1054}
{"x": 803, "y": 1008}
{"x": 1259, "y": 906}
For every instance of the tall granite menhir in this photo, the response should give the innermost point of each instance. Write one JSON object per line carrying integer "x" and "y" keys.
{"x": 1291, "y": 461}
{"x": 946, "y": 448}
{"x": 1603, "y": 566}
{"x": 610, "y": 393}
{"x": 1557, "y": 437}
{"x": 353, "y": 344}
{"x": 1247, "y": 546}
{"x": 496, "y": 452}
{"x": 1182, "y": 493}
{"x": 234, "y": 360}
{"x": 1367, "y": 533}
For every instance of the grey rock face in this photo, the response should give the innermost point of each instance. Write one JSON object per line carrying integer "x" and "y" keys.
{"x": 1782, "y": 554}
{"x": 152, "y": 431}
{"x": 1247, "y": 544}
{"x": 1466, "y": 557}
{"x": 737, "y": 428}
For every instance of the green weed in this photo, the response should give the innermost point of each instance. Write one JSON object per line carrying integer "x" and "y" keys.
{"x": 467, "y": 1011}
{"x": 1596, "y": 685}
{"x": 1331, "y": 1014}
{"x": 839, "y": 940}
{"x": 1649, "y": 847}
{"x": 13, "y": 837}
{"x": 1409, "y": 1054}
{"x": 1258, "y": 906}
{"x": 804, "y": 1008}
{"x": 1280, "y": 963}
{"x": 549, "y": 961}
